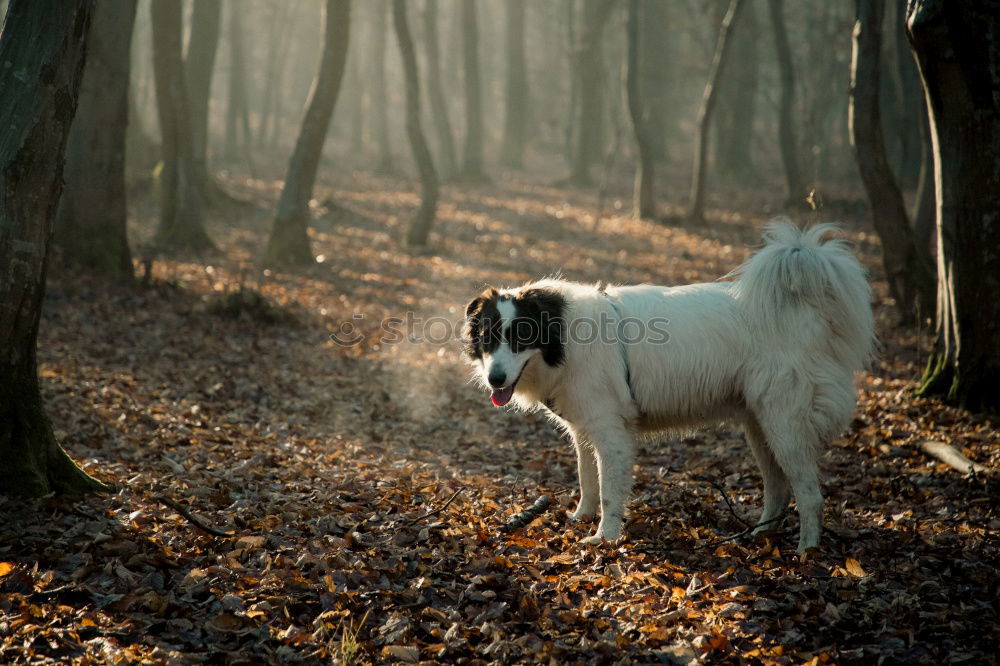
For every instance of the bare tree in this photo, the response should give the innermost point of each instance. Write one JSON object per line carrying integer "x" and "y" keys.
{"x": 43, "y": 46}
{"x": 644, "y": 199}
{"x": 289, "y": 240}
{"x": 735, "y": 116}
{"x": 908, "y": 274}
{"x": 696, "y": 205}
{"x": 516, "y": 98}
{"x": 472, "y": 159}
{"x": 786, "y": 121}
{"x": 91, "y": 219}
{"x": 956, "y": 45}
{"x": 380, "y": 102}
{"x": 237, "y": 103}
{"x": 199, "y": 64}
{"x": 181, "y": 202}
{"x": 435, "y": 91}
{"x": 589, "y": 77}
{"x": 420, "y": 227}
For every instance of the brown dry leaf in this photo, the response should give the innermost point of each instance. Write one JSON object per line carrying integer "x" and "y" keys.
{"x": 854, "y": 568}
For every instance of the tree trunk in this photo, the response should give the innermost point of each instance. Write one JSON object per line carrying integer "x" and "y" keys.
{"x": 644, "y": 199}
{"x": 796, "y": 193}
{"x": 439, "y": 107}
{"x": 289, "y": 241}
{"x": 655, "y": 67}
{"x": 199, "y": 63}
{"x": 472, "y": 159}
{"x": 181, "y": 203}
{"x": 909, "y": 277}
{"x": 517, "y": 101}
{"x": 380, "y": 102}
{"x": 957, "y": 44}
{"x": 91, "y": 219}
{"x": 420, "y": 227}
{"x": 279, "y": 20}
{"x": 699, "y": 170}
{"x": 42, "y": 47}
{"x": 589, "y": 75}
{"x": 734, "y": 126}
{"x": 237, "y": 103}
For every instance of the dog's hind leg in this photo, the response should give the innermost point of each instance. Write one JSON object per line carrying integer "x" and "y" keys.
{"x": 590, "y": 493}
{"x": 615, "y": 450}
{"x": 795, "y": 446}
{"x": 776, "y": 490}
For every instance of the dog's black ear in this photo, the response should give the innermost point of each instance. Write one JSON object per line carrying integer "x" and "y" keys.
{"x": 476, "y": 304}
{"x": 548, "y": 308}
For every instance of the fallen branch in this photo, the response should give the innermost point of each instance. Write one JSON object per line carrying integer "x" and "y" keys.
{"x": 951, "y": 457}
{"x": 437, "y": 510}
{"x": 725, "y": 497}
{"x": 197, "y": 522}
{"x": 519, "y": 520}
{"x": 741, "y": 533}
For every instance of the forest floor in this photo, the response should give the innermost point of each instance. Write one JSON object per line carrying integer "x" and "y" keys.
{"x": 366, "y": 487}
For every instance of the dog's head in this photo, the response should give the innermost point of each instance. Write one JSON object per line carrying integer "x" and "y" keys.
{"x": 506, "y": 330}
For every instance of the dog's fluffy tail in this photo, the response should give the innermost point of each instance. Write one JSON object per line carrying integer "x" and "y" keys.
{"x": 806, "y": 268}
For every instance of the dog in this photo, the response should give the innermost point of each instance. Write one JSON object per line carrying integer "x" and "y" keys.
{"x": 774, "y": 349}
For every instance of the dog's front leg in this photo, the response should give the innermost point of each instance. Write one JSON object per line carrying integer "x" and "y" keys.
{"x": 615, "y": 449}
{"x": 586, "y": 465}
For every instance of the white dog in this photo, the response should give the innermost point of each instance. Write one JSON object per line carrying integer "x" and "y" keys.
{"x": 775, "y": 350}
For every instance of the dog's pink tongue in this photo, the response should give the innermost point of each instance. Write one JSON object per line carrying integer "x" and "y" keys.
{"x": 501, "y": 397}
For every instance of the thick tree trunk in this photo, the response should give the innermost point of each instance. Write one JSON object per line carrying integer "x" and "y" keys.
{"x": 199, "y": 64}
{"x": 380, "y": 102}
{"x": 91, "y": 219}
{"x": 472, "y": 159}
{"x": 181, "y": 201}
{"x": 957, "y": 44}
{"x": 655, "y": 67}
{"x": 734, "y": 126}
{"x": 279, "y": 20}
{"x": 796, "y": 192}
{"x": 420, "y": 227}
{"x": 42, "y": 50}
{"x": 589, "y": 75}
{"x": 435, "y": 91}
{"x": 289, "y": 241}
{"x": 644, "y": 199}
{"x": 517, "y": 101}
{"x": 909, "y": 276}
{"x": 699, "y": 170}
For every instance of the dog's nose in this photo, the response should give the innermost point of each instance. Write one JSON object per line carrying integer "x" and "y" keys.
{"x": 497, "y": 379}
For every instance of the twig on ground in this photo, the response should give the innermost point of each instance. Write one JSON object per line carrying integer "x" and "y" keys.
{"x": 722, "y": 491}
{"x": 197, "y": 522}
{"x": 437, "y": 510}
{"x": 741, "y": 533}
{"x": 519, "y": 520}
{"x": 951, "y": 457}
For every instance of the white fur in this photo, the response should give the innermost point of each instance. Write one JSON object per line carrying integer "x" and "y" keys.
{"x": 774, "y": 350}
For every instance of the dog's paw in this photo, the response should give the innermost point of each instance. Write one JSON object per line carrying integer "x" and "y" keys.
{"x": 593, "y": 540}
{"x": 581, "y": 515}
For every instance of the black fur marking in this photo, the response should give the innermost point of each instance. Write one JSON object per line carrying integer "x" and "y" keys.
{"x": 539, "y": 323}
{"x": 481, "y": 332}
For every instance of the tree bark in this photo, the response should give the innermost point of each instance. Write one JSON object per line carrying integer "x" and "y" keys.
{"x": 91, "y": 219}
{"x": 644, "y": 199}
{"x": 42, "y": 50}
{"x": 796, "y": 189}
{"x": 734, "y": 126}
{"x": 957, "y": 44}
{"x": 380, "y": 102}
{"x": 289, "y": 241}
{"x": 181, "y": 203}
{"x": 589, "y": 82}
{"x": 199, "y": 64}
{"x": 699, "y": 170}
{"x": 237, "y": 103}
{"x": 420, "y": 227}
{"x": 517, "y": 100}
{"x": 435, "y": 91}
{"x": 909, "y": 276}
{"x": 472, "y": 159}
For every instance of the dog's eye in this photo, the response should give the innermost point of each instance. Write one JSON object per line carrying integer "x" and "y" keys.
{"x": 523, "y": 334}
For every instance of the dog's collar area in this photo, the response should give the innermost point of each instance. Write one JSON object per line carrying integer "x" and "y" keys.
{"x": 615, "y": 307}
